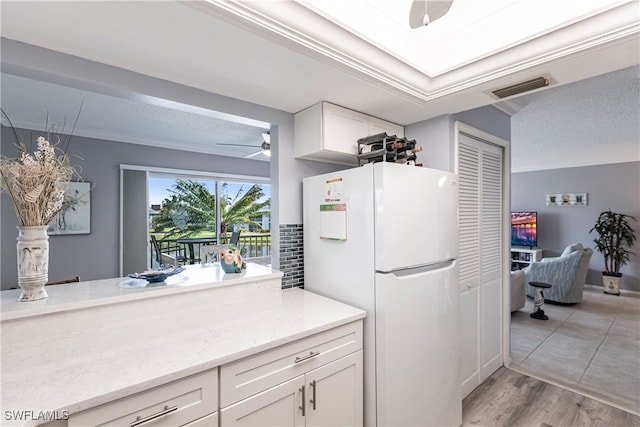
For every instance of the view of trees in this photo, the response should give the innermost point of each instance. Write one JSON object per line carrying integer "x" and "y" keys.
{"x": 191, "y": 209}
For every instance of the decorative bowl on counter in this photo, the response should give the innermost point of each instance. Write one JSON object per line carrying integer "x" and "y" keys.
{"x": 158, "y": 275}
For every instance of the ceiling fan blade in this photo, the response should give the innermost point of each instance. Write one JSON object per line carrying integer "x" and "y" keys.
{"x": 436, "y": 9}
{"x": 423, "y": 12}
{"x": 237, "y": 145}
{"x": 417, "y": 13}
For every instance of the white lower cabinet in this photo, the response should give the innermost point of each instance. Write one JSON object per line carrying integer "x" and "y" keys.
{"x": 334, "y": 393}
{"x": 277, "y": 406}
{"x": 328, "y": 396}
{"x": 315, "y": 381}
{"x": 193, "y": 399}
{"x": 210, "y": 420}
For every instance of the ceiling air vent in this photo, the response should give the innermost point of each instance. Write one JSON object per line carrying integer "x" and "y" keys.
{"x": 522, "y": 87}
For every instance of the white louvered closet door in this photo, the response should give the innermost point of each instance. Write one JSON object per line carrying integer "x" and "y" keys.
{"x": 480, "y": 172}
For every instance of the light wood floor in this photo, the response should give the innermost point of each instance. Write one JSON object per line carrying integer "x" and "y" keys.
{"x": 508, "y": 398}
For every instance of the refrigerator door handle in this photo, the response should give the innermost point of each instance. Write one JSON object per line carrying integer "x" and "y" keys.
{"x": 414, "y": 271}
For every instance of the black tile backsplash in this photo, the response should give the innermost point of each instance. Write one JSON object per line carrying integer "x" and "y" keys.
{"x": 291, "y": 255}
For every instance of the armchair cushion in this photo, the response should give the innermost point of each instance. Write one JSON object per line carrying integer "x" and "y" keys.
{"x": 517, "y": 290}
{"x": 566, "y": 274}
{"x": 572, "y": 248}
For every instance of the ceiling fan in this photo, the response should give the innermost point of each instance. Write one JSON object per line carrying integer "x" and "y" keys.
{"x": 423, "y": 12}
{"x": 265, "y": 147}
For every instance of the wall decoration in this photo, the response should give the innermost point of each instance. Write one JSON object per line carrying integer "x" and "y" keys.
{"x": 76, "y": 217}
{"x": 567, "y": 199}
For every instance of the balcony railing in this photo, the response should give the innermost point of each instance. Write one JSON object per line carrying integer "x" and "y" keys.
{"x": 251, "y": 246}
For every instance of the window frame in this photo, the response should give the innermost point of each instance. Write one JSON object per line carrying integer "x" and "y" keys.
{"x": 181, "y": 173}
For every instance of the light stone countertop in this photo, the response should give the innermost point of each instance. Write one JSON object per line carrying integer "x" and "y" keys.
{"x": 108, "y": 291}
{"x": 72, "y": 358}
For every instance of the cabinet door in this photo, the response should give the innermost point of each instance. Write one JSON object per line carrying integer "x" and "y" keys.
{"x": 334, "y": 393}
{"x": 277, "y": 406}
{"x": 342, "y": 128}
{"x": 210, "y": 420}
{"x": 378, "y": 126}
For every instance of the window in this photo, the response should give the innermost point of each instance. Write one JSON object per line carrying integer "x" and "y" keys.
{"x": 187, "y": 211}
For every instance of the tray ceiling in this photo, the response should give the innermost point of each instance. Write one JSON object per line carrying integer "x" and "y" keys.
{"x": 289, "y": 55}
{"x": 469, "y": 31}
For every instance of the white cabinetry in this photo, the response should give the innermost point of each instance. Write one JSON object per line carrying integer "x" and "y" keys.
{"x": 523, "y": 257}
{"x": 313, "y": 381}
{"x": 193, "y": 399}
{"x": 329, "y": 133}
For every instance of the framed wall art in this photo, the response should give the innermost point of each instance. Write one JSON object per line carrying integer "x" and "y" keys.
{"x": 567, "y": 199}
{"x": 75, "y": 218}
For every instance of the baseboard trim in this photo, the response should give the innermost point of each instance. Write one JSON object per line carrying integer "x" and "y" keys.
{"x": 622, "y": 291}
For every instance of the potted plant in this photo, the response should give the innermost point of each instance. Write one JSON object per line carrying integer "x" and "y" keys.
{"x": 615, "y": 236}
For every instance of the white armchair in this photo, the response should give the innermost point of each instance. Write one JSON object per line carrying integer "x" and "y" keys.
{"x": 566, "y": 274}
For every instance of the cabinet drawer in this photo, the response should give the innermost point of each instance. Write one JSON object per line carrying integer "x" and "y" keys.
{"x": 172, "y": 404}
{"x": 259, "y": 372}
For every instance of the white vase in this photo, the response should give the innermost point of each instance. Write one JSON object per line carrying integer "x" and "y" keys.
{"x": 33, "y": 262}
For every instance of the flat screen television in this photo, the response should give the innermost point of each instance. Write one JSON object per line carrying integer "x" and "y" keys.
{"x": 524, "y": 229}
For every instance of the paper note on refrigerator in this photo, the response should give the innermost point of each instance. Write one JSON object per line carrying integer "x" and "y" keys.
{"x": 333, "y": 221}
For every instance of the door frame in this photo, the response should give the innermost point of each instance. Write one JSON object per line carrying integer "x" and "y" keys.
{"x": 505, "y": 314}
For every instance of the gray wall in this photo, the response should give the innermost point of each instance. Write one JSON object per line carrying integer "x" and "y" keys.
{"x": 437, "y": 135}
{"x": 611, "y": 186}
{"x": 286, "y": 172}
{"x": 95, "y": 256}
{"x": 488, "y": 119}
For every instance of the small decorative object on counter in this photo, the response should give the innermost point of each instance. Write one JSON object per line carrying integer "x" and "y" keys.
{"x": 158, "y": 275}
{"x": 231, "y": 261}
{"x": 384, "y": 148}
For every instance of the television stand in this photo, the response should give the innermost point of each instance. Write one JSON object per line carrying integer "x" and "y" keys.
{"x": 523, "y": 256}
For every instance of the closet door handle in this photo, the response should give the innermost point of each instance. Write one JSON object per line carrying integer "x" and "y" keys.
{"x": 304, "y": 400}
{"x": 312, "y": 384}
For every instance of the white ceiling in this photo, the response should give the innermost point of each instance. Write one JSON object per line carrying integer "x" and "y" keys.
{"x": 287, "y": 55}
{"x": 591, "y": 122}
{"x": 460, "y": 37}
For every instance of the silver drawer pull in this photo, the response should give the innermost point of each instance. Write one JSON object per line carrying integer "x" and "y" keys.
{"x": 166, "y": 411}
{"x": 307, "y": 357}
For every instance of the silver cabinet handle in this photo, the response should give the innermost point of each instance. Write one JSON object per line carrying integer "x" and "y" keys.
{"x": 307, "y": 357}
{"x": 312, "y": 384}
{"x": 304, "y": 400}
{"x": 166, "y": 411}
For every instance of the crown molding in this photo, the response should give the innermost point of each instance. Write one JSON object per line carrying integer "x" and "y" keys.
{"x": 295, "y": 26}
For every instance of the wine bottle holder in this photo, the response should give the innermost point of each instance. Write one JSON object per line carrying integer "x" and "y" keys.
{"x": 387, "y": 148}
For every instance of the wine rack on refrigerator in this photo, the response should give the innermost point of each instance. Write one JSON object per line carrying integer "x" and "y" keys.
{"x": 387, "y": 148}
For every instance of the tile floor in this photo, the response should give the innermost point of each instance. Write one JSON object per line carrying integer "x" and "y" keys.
{"x": 592, "y": 347}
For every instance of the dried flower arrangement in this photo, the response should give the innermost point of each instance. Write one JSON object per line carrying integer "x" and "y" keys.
{"x": 37, "y": 182}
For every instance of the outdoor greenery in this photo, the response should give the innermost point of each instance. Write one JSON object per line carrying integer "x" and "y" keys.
{"x": 190, "y": 211}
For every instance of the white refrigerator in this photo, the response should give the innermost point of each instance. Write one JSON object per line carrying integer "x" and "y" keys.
{"x": 384, "y": 237}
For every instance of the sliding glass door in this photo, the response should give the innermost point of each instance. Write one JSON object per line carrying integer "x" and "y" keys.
{"x": 169, "y": 214}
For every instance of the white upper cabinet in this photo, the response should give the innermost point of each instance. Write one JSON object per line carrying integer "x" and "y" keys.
{"x": 328, "y": 133}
